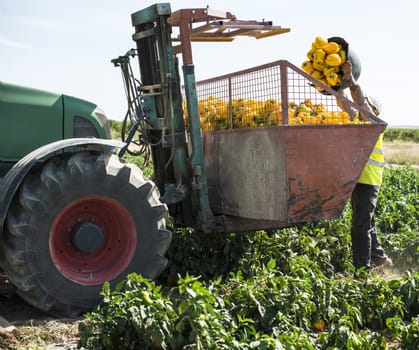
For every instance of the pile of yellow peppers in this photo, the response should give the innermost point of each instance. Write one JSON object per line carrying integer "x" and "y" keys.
{"x": 249, "y": 113}
{"x": 324, "y": 62}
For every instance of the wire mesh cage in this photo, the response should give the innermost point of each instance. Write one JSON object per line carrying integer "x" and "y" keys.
{"x": 277, "y": 93}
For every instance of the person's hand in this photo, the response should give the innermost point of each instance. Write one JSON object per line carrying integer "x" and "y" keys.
{"x": 347, "y": 70}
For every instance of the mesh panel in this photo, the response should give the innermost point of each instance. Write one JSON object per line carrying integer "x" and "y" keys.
{"x": 259, "y": 97}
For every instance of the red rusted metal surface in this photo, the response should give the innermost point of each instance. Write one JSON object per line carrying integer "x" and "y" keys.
{"x": 266, "y": 168}
{"x": 277, "y": 176}
{"x": 323, "y": 165}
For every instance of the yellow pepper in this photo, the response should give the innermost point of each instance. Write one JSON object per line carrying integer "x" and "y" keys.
{"x": 333, "y": 60}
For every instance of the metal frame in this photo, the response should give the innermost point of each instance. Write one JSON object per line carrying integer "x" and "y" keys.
{"x": 220, "y": 26}
{"x": 181, "y": 174}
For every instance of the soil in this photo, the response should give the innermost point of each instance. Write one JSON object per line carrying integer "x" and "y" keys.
{"x": 399, "y": 152}
{"x": 12, "y": 307}
{"x": 23, "y": 326}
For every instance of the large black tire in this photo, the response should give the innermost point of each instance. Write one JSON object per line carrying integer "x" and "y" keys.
{"x": 78, "y": 221}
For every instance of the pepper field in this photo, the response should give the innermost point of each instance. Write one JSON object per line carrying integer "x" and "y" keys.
{"x": 292, "y": 288}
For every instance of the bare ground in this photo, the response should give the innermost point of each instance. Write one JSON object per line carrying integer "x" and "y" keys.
{"x": 402, "y": 153}
{"x": 24, "y": 327}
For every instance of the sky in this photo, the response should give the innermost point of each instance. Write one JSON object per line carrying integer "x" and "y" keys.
{"x": 66, "y": 46}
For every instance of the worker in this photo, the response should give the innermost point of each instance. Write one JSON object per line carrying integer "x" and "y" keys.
{"x": 367, "y": 251}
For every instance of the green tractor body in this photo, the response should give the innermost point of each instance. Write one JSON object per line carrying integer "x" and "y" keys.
{"x": 31, "y": 118}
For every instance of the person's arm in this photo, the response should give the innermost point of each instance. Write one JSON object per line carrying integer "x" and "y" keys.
{"x": 357, "y": 94}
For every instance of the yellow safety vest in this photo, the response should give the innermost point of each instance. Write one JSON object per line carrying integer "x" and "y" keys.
{"x": 373, "y": 171}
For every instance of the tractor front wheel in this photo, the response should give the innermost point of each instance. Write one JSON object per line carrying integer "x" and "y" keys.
{"x": 77, "y": 222}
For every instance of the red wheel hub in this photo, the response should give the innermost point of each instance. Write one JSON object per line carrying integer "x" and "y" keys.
{"x": 92, "y": 240}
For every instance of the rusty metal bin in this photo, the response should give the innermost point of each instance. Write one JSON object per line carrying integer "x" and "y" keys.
{"x": 277, "y": 174}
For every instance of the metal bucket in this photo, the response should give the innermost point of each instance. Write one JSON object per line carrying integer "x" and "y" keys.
{"x": 279, "y": 172}
{"x": 277, "y": 176}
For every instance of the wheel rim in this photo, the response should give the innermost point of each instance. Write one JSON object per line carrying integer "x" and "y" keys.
{"x": 92, "y": 240}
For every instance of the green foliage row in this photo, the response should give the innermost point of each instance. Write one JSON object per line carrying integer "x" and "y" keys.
{"x": 268, "y": 311}
{"x": 292, "y": 288}
{"x": 115, "y": 126}
{"x": 409, "y": 135}
{"x": 398, "y": 215}
{"x": 116, "y": 129}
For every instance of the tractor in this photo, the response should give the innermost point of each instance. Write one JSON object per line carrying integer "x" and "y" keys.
{"x": 227, "y": 156}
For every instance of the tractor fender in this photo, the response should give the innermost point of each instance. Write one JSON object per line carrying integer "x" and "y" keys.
{"x": 10, "y": 183}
